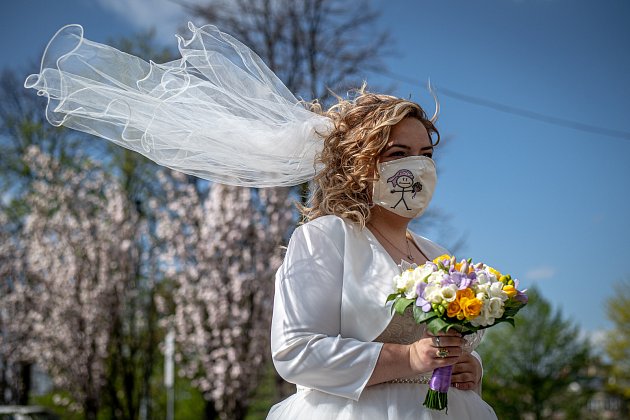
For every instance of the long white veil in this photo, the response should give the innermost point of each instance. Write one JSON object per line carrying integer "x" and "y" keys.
{"x": 217, "y": 113}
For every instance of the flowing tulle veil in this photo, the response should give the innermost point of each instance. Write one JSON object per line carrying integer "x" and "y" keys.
{"x": 218, "y": 113}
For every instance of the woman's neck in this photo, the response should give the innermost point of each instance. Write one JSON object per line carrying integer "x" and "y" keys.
{"x": 388, "y": 223}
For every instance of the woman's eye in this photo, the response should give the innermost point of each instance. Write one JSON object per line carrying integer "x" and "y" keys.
{"x": 429, "y": 155}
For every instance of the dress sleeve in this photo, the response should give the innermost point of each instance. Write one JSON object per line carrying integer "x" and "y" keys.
{"x": 306, "y": 344}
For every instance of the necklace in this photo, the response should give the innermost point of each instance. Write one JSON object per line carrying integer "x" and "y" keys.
{"x": 408, "y": 253}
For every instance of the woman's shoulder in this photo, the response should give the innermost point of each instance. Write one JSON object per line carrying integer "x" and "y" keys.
{"x": 334, "y": 228}
{"x": 330, "y": 222}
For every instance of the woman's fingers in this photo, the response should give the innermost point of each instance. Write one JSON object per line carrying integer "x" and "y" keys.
{"x": 434, "y": 351}
{"x": 444, "y": 352}
{"x": 438, "y": 341}
{"x": 466, "y": 373}
{"x": 463, "y": 377}
{"x": 464, "y": 386}
{"x": 445, "y": 339}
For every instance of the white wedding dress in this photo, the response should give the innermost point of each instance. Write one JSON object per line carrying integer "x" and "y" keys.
{"x": 329, "y": 323}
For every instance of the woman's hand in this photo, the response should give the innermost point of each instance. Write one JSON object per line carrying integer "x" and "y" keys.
{"x": 466, "y": 373}
{"x": 432, "y": 352}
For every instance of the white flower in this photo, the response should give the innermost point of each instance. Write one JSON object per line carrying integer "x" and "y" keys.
{"x": 433, "y": 293}
{"x": 406, "y": 282}
{"x": 492, "y": 277}
{"x": 482, "y": 297}
{"x": 482, "y": 278}
{"x": 496, "y": 291}
{"x": 435, "y": 277}
{"x": 449, "y": 293}
{"x": 482, "y": 289}
{"x": 481, "y": 320}
{"x": 491, "y": 310}
{"x": 422, "y": 273}
{"x": 495, "y": 307}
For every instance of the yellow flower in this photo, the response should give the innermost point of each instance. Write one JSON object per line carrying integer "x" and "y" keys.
{"x": 471, "y": 307}
{"x": 466, "y": 293}
{"x": 441, "y": 258}
{"x": 510, "y": 290}
{"x": 453, "y": 309}
{"x": 496, "y": 273}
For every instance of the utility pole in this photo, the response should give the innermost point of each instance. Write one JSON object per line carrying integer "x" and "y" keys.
{"x": 169, "y": 377}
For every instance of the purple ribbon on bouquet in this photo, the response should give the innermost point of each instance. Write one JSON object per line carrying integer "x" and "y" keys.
{"x": 437, "y": 395}
{"x": 441, "y": 379}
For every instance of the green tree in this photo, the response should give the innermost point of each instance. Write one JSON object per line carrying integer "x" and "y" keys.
{"x": 538, "y": 369}
{"x": 618, "y": 342}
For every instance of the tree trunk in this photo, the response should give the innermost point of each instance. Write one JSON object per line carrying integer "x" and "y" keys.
{"x": 209, "y": 412}
{"x": 3, "y": 381}
{"x": 90, "y": 407}
{"x": 24, "y": 383}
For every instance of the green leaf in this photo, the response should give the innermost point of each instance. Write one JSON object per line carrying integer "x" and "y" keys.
{"x": 420, "y": 316}
{"x": 401, "y": 304}
{"x": 511, "y": 310}
{"x": 391, "y": 309}
{"x": 437, "y": 325}
{"x": 393, "y": 296}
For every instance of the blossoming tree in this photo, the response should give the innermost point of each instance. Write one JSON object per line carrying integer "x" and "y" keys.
{"x": 15, "y": 317}
{"x": 79, "y": 237}
{"x": 222, "y": 251}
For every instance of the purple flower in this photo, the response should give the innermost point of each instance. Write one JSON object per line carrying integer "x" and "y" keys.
{"x": 521, "y": 297}
{"x": 420, "y": 301}
{"x": 431, "y": 264}
{"x": 460, "y": 280}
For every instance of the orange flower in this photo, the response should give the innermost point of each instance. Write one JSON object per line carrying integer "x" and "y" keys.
{"x": 471, "y": 307}
{"x": 466, "y": 293}
{"x": 453, "y": 309}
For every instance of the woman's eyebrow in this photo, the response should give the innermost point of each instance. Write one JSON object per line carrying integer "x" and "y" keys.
{"x": 403, "y": 146}
{"x": 398, "y": 145}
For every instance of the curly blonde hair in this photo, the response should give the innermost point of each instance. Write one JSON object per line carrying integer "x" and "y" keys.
{"x": 360, "y": 132}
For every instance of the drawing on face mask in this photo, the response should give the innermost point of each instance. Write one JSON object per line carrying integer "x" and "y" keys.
{"x": 403, "y": 179}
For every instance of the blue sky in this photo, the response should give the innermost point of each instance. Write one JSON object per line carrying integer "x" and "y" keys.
{"x": 549, "y": 204}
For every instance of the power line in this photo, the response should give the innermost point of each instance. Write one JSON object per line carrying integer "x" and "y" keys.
{"x": 521, "y": 112}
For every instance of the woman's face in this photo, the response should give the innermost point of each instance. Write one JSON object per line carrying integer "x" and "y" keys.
{"x": 407, "y": 138}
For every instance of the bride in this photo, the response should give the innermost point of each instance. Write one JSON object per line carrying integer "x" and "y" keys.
{"x": 220, "y": 114}
{"x": 332, "y": 334}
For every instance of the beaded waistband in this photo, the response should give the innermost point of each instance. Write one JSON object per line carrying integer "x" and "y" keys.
{"x": 419, "y": 380}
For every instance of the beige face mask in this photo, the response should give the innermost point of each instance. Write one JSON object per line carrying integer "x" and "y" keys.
{"x": 406, "y": 185}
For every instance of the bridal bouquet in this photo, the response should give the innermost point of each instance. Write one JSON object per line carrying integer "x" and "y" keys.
{"x": 464, "y": 296}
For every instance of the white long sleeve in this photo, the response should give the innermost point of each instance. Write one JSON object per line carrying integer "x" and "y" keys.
{"x": 307, "y": 347}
